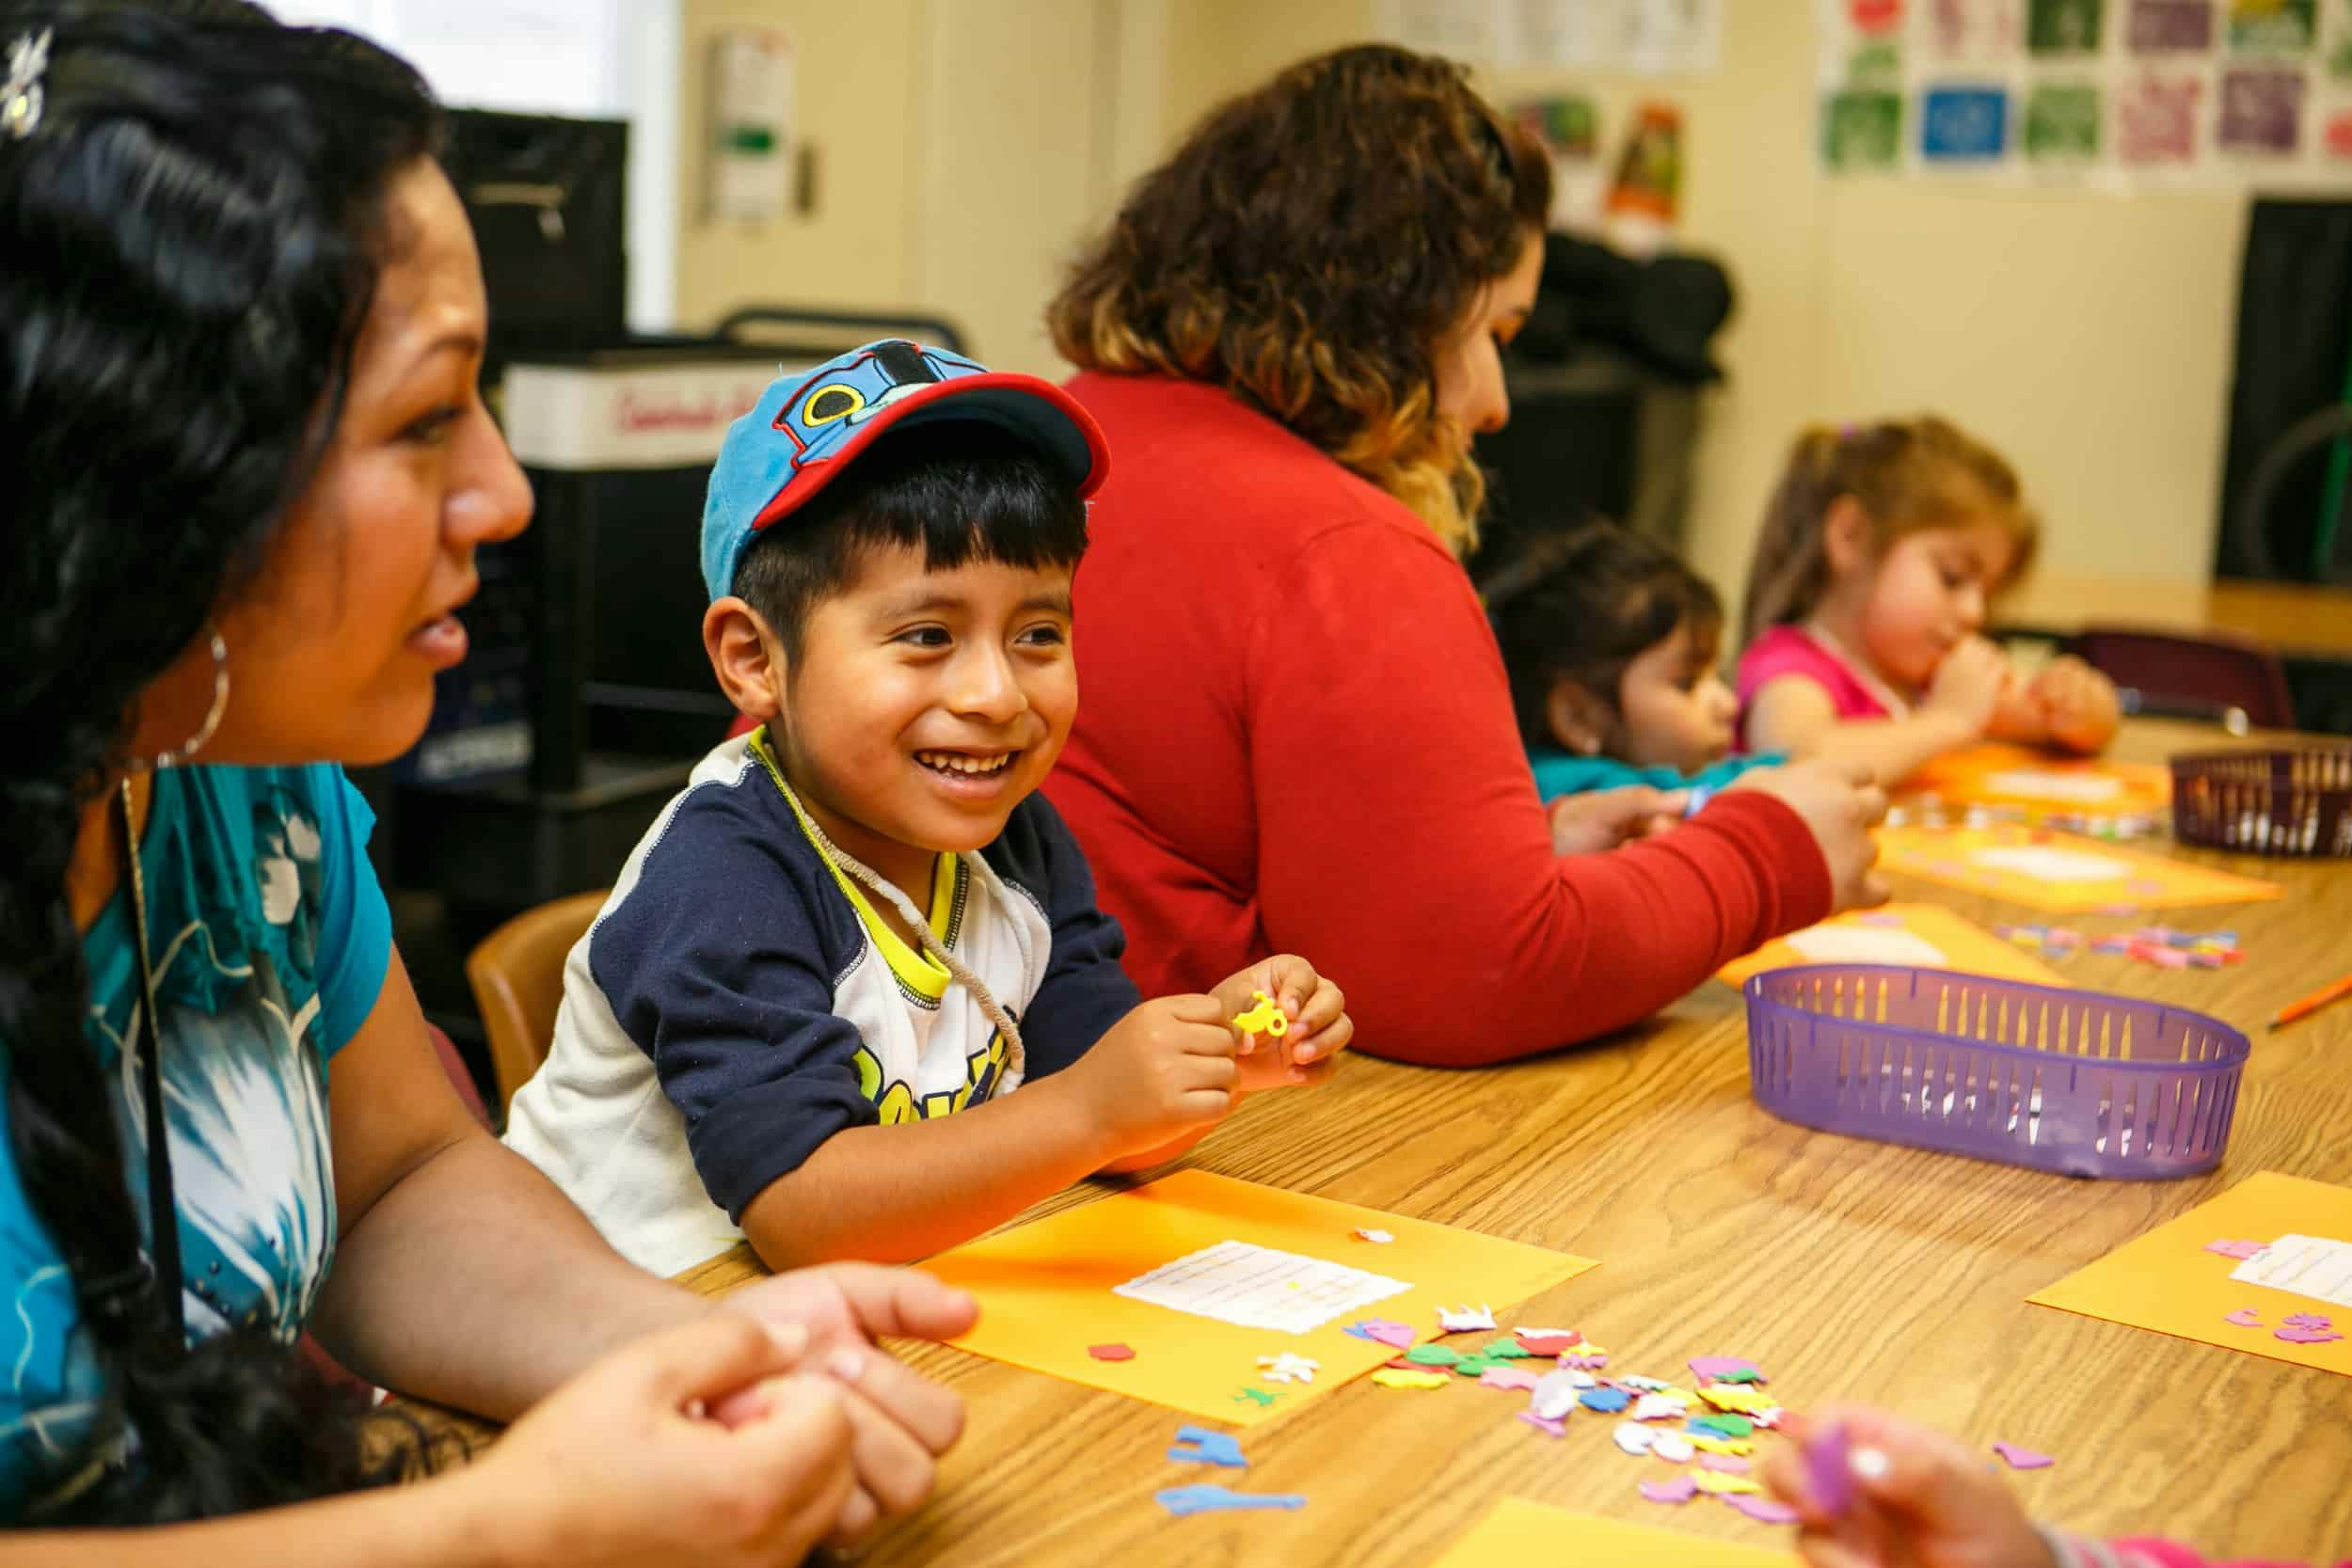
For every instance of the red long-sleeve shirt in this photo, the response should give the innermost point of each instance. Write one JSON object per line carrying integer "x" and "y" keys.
{"x": 1295, "y": 736}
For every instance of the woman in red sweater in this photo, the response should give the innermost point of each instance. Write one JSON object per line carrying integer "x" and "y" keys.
{"x": 1296, "y": 733}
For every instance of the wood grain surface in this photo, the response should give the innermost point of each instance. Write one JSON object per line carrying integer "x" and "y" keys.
{"x": 2293, "y": 617}
{"x": 1848, "y": 1270}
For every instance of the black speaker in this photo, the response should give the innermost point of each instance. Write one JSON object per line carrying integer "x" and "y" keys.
{"x": 548, "y": 200}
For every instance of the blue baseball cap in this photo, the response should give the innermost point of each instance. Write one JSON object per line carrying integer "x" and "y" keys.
{"x": 810, "y": 425}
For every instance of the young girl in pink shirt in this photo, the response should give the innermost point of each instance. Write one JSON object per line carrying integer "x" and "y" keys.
{"x": 1867, "y": 602}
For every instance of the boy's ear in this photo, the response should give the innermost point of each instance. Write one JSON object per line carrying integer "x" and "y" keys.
{"x": 747, "y": 658}
{"x": 1579, "y": 721}
{"x": 1846, "y": 536}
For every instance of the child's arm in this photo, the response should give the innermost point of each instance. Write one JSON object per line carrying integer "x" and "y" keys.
{"x": 1911, "y": 1498}
{"x": 1915, "y": 1498}
{"x": 1792, "y": 714}
{"x": 1145, "y": 1092}
{"x": 896, "y": 1193}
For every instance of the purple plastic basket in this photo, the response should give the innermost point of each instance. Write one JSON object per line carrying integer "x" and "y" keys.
{"x": 2064, "y": 1081}
{"x": 2285, "y": 802}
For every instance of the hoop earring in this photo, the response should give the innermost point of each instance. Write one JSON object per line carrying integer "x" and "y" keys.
{"x": 195, "y": 742}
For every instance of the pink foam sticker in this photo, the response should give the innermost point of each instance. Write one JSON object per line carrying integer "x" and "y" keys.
{"x": 1555, "y": 1429}
{"x": 1829, "y": 1472}
{"x": 1728, "y": 1463}
{"x": 1549, "y": 1344}
{"x": 1707, "y": 1366}
{"x": 1390, "y": 1332}
{"x": 1506, "y": 1377}
{"x": 2307, "y": 1335}
{"x": 2244, "y": 1316}
{"x": 2023, "y": 1458}
{"x": 1679, "y": 1490}
{"x": 2239, "y": 1250}
{"x": 1764, "y": 1511}
{"x": 1584, "y": 1363}
{"x": 1112, "y": 1352}
{"x": 2310, "y": 1320}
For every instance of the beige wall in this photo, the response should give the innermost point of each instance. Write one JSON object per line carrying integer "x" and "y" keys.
{"x": 962, "y": 149}
{"x": 2084, "y": 332}
{"x": 854, "y": 94}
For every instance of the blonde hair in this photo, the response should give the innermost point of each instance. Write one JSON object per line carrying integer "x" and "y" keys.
{"x": 1908, "y": 475}
{"x": 1307, "y": 248}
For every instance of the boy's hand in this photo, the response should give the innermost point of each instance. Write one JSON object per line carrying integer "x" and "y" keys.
{"x": 1317, "y": 1011}
{"x": 1920, "y": 1499}
{"x": 2079, "y": 706}
{"x": 1164, "y": 1070}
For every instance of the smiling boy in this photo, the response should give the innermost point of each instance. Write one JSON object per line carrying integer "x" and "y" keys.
{"x": 804, "y": 1013}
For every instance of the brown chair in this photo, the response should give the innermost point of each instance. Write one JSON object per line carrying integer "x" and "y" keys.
{"x": 2232, "y": 680}
{"x": 518, "y": 978}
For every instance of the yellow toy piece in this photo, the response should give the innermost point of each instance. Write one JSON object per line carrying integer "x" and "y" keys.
{"x": 1400, "y": 1377}
{"x": 1736, "y": 1398}
{"x": 1263, "y": 1019}
{"x": 1731, "y": 1448}
{"x": 1723, "y": 1486}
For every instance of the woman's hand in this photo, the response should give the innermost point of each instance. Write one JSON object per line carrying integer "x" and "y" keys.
{"x": 900, "y": 1421}
{"x": 623, "y": 1467}
{"x": 1601, "y": 819}
{"x": 1839, "y": 805}
{"x": 1919, "y": 1499}
{"x": 1315, "y": 1008}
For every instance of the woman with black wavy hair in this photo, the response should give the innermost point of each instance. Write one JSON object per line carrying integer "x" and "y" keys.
{"x": 240, "y": 326}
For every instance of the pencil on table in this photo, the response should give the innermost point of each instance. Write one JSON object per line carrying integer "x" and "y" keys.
{"x": 2312, "y": 1003}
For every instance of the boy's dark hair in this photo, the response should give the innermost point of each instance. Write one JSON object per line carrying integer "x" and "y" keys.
{"x": 1584, "y": 604}
{"x": 960, "y": 490}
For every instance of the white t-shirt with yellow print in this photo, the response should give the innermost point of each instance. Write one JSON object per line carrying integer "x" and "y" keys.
{"x": 739, "y": 1001}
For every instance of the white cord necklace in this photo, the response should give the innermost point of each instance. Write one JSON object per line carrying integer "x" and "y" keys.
{"x": 1016, "y": 1060}
{"x": 1896, "y": 706}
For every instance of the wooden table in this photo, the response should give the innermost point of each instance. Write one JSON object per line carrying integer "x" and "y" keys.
{"x": 2294, "y": 618}
{"x": 1848, "y": 1269}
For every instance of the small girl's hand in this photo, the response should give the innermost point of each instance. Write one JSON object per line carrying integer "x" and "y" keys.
{"x": 1315, "y": 1008}
{"x": 2079, "y": 708}
{"x": 1968, "y": 686}
{"x": 1919, "y": 1499}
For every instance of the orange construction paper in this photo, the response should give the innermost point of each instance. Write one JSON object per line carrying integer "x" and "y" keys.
{"x": 1045, "y": 1291}
{"x": 1866, "y": 936}
{"x": 1519, "y": 1535}
{"x": 2061, "y": 872}
{"x": 1998, "y": 775}
{"x": 2166, "y": 1281}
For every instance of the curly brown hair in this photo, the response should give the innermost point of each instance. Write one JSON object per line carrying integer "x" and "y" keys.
{"x": 1309, "y": 247}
